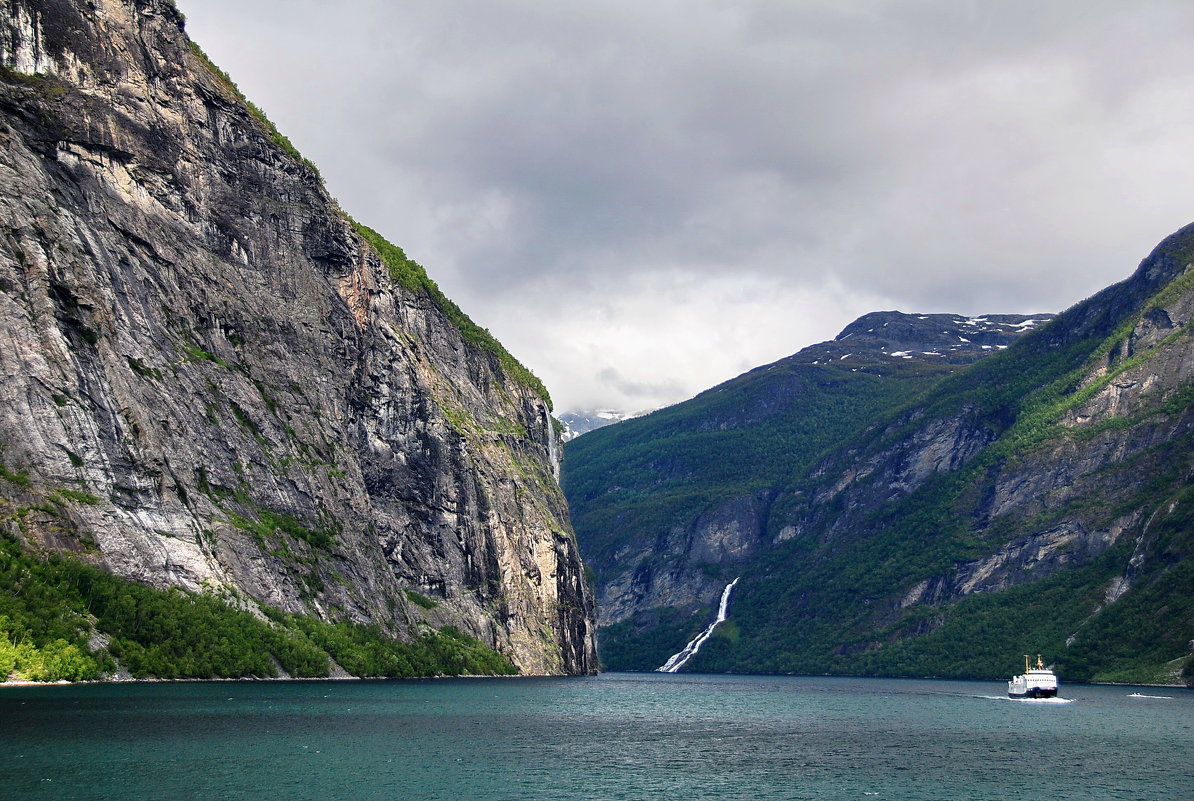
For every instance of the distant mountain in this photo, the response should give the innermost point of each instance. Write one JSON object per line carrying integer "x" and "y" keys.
{"x": 582, "y": 422}
{"x": 924, "y": 495}
{"x": 950, "y": 337}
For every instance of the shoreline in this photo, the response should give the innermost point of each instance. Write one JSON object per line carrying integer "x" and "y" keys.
{"x": 250, "y": 679}
{"x": 246, "y": 679}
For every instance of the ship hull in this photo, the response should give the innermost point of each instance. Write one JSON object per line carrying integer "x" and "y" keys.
{"x": 1035, "y": 692}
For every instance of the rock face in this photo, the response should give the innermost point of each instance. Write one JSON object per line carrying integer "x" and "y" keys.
{"x": 217, "y": 379}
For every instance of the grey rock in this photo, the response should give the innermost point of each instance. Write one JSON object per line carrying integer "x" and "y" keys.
{"x": 193, "y": 334}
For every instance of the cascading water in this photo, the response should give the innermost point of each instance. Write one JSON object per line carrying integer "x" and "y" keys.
{"x": 689, "y": 651}
{"x": 552, "y": 453}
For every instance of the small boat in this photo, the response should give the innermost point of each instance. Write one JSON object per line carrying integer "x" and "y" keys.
{"x": 1034, "y": 682}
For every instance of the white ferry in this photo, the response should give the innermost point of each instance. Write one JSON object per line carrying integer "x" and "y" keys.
{"x": 1034, "y": 682}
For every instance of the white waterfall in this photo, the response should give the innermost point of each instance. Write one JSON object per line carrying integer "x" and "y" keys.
{"x": 553, "y": 455}
{"x": 689, "y": 651}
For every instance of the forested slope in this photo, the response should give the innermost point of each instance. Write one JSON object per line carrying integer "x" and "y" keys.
{"x": 1037, "y": 500}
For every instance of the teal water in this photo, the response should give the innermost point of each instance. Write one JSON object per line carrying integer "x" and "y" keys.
{"x": 614, "y": 736}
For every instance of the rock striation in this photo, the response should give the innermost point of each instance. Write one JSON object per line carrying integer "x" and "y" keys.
{"x": 209, "y": 378}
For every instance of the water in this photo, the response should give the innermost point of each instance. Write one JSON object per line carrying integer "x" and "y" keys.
{"x": 615, "y": 736}
{"x": 680, "y": 659}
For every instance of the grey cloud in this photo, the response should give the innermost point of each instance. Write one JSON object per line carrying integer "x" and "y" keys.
{"x": 638, "y": 390}
{"x": 928, "y": 155}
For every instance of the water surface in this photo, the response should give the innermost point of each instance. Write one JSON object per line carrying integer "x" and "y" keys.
{"x": 614, "y": 736}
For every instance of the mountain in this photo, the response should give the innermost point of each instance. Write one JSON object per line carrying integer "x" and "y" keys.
{"x": 916, "y": 516}
{"x": 581, "y": 421}
{"x": 696, "y": 481}
{"x": 214, "y": 380}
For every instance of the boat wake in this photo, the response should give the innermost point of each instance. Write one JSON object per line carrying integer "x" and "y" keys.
{"x": 1142, "y": 695}
{"x": 1027, "y": 700}
{"x": 1043, "y": 700}
{"x": 678, "y": 660}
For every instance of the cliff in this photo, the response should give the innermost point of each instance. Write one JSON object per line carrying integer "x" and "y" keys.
{"x": 211, "y": 378}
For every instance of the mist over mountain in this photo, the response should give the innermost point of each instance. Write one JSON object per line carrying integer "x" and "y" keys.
{"x": 577, "y": 422}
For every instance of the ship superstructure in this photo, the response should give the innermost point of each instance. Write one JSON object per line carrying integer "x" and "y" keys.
{"x": 1035, "y": 682}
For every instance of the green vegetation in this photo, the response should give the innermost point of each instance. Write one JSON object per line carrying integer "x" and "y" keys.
{"x": 808, "y": 611}
{"x": 144, "y": 370}
{"x": 366, "y": 651}
{"x": 194, "y": 353}
{"x": 78, "y": 496}
{"x": 49, "y": 609}
{"x": 829, "y": 599}
{"x": 50, "y": 87}
{"x": 271, "y": 130}
{"x": 752, "y": 435}
{"x": 18, "y": 477}
{"x": 408, "y": 273}
{"x": 419, "y": 599}
{"x": 268, "y": 523}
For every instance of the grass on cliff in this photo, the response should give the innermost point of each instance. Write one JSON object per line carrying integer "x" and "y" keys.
{"x": 410, "y": 274}
{"x": 50, "y": 607}
{"x": 403, "y": 270}
{"x": 271, "y": 130}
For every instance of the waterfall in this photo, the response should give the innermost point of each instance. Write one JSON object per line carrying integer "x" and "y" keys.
{"x": 689, "y": 651}
{"x": 553, "y": 455}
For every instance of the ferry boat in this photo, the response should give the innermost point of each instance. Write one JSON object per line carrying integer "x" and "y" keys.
{"x": 1034, "y": 682}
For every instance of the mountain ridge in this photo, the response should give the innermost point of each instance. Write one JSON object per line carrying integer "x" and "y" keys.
{"x": 1030, "y": 470}
{"x": 776, "y": 390}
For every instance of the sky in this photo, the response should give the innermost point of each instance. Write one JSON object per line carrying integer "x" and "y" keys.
{"x": 644, "y": 199}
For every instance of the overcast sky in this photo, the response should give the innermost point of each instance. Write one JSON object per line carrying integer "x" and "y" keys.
{"x": 643, "y": 199}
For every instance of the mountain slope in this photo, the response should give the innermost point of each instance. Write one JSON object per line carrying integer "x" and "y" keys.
{"x": 1037, "y": 500}
{"x": 214, "y": 379}
{"x": 666, "y": 504}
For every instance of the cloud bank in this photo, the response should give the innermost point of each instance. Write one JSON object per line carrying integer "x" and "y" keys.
{"x": 644, "y": 199}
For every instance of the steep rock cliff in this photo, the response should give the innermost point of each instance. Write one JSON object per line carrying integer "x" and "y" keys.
{"x": 211, "y": 379}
